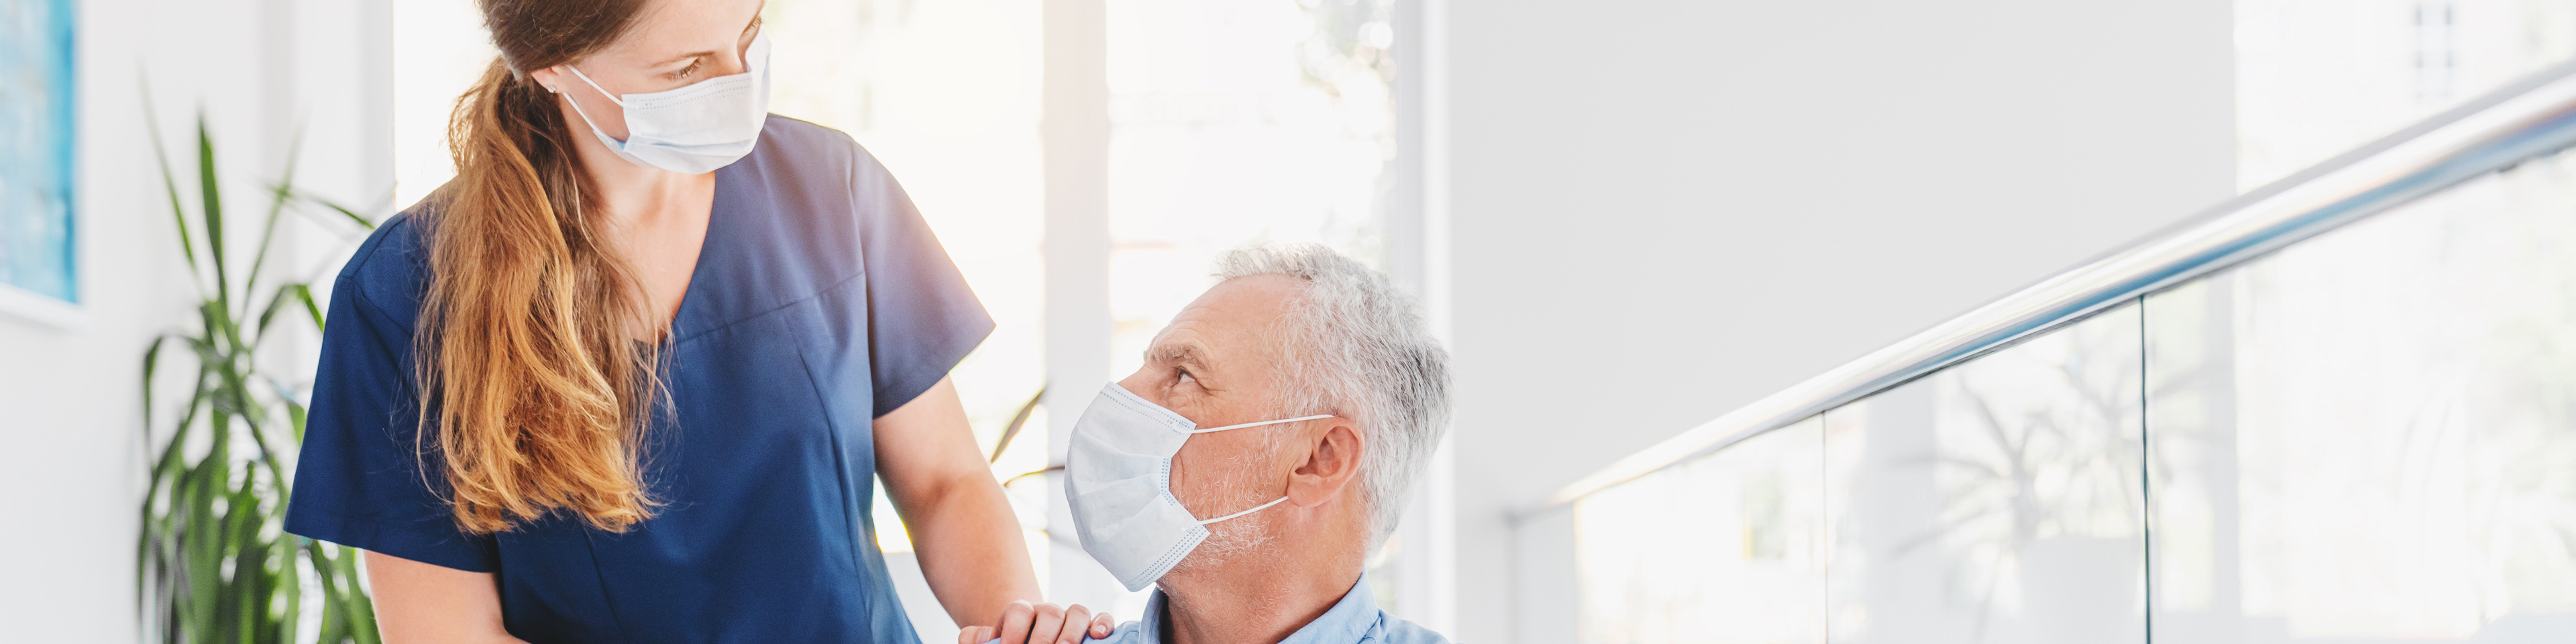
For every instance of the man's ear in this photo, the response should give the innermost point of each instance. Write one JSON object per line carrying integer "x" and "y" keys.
{"x": 1331, "y": 465}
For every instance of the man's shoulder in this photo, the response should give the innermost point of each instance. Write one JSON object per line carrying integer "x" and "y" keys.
{"x": 1396, "y": 630}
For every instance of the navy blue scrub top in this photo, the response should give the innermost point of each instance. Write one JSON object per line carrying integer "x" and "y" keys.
{"x": 820, "y": 301}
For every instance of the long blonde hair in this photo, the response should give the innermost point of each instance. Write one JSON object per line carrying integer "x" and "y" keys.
{"x": 531, "y": 383}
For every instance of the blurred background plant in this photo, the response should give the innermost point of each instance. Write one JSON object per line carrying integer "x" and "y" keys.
{"x": 2038, "y": 456}
{"x": 213, "y": 564}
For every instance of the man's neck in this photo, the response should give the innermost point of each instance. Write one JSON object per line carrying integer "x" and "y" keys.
{"x": 1261, "y": 608}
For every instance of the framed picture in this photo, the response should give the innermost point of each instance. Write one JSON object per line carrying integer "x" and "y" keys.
{"x": 39, "y": 276}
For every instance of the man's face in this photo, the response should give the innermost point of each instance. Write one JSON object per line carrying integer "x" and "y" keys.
{"x": 1218, "y": 365}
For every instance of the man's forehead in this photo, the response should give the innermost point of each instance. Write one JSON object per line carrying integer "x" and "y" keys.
{"x": 1225, "y": 319}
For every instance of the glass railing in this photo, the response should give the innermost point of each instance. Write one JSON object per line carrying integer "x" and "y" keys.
{"x": 2339, "y": 409}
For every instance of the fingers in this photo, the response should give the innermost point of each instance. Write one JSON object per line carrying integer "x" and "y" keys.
{"x": 1026, "y": 623}
{"x": 1076, "y": 620}
{"x": 1016, "y": 619}
{"x": 1050, "y": 620}
{"x": 1102, "y": 625}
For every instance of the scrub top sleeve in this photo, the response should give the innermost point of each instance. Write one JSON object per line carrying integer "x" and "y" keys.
{"x": 922, "y": 318}
{"x": 358, "y": 482}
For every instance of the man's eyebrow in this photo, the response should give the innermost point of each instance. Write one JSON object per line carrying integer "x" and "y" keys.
{"x": 1182, "y": 353}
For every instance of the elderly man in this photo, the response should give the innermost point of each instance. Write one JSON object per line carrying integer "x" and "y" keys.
{"x": 1259, "y": 455}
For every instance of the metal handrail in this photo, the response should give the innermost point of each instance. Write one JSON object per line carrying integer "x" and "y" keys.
{"x": 2532, "y": 117}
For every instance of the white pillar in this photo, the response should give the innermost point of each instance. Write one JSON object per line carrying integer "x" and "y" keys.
{"x": 1074, "y": 130}
{"x": 1417, "y": 212}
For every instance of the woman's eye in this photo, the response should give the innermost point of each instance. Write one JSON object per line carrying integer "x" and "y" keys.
{"x": 685, "y": 72}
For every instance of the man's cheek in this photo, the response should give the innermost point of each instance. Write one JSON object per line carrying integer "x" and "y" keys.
{"x": 1185, "y": 485}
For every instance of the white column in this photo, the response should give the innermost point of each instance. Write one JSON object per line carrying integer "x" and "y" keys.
{"x": 1074, "y": 129}
{"x": 1417, "y": 211}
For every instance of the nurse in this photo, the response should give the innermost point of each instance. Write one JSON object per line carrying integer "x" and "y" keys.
{"x": 631, "y": 376}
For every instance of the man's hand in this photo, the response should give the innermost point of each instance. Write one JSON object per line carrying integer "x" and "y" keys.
{"x": 1023, "y": 623}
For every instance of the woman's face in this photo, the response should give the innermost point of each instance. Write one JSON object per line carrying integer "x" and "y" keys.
{"x": 674, "y": 43}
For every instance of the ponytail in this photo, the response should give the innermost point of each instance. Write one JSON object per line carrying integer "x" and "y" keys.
{"x": 531, "y": 384}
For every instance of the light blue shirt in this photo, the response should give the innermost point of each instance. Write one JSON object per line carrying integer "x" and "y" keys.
{"x": 1354, "y": 620}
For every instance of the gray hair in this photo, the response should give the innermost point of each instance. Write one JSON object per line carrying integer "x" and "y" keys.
{"x": 1358, "y": 347}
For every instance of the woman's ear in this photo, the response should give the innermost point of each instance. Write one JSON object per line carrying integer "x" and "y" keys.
{"x": 1332, "y": 463}
{"x": 549, "y": 79}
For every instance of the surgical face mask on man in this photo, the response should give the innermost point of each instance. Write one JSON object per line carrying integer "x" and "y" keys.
{"x": 1118, "y": 478}
{"x": 694, "y": 129}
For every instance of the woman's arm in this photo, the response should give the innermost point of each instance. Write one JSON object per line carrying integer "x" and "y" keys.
{"x": 961, "y": 525}
{"x": 418, "y": 603}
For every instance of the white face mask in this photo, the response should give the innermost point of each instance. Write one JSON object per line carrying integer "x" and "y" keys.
{"x": 695, "y": 129}
{"x": 1118, "y": 477}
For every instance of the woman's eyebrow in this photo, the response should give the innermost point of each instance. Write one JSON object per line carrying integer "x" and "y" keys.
{"x": 686, "y": 57}
{"x": 755, "y": 24}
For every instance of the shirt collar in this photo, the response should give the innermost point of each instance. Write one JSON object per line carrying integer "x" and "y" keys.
{"x": 1347, "y": 621}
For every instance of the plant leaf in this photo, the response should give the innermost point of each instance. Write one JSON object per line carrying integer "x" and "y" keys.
{"x": 202, "y": 546}
{"x": 170, "y": 182}
{"x": 278, "y": 196}
{"x": 295, "y": 413}
{"x": 290, "y": 587}
{"x": 143, "y": 542}
{"x": 304, "y": 293}
{"x": 346, "y": 211}
{"x": 212, "y": 563}
{"x": 1013, "y": 431}
{"x": 212, "y": 202}
{"x": 151, "y": 359}
{"x": 241, "y": 537}
{"x": 269, "y": 313}
{"x": 362, "y": 611}
{"x": 335, "y": 625}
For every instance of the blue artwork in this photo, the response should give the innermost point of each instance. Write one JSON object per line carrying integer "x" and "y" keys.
{"x": 36, "y": 147}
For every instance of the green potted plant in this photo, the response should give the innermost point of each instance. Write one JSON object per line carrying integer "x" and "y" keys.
{"x": 212, "y": 563}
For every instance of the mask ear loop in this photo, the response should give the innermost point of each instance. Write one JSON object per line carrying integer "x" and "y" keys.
{"x": 1266, "y": 422}
{"x": 585, "y": 114}
{"x": 1272, "y": 502}
{"x": 1256, "y": 508}
{"x": 603, "y": 91}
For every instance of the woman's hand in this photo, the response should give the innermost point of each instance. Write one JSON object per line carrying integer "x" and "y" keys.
{"x": 1023, "y": 623}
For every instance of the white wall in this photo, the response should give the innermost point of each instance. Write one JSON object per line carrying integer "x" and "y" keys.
{"x": 68, "y": 416}
{"x": 1663, "y": 210}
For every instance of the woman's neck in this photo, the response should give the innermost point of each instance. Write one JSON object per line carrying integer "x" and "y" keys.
{"x": 658, "y": 218}
{"x": 635, "y": 195}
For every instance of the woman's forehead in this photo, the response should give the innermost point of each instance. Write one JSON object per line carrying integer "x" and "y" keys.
{"x": 671, "y": 29}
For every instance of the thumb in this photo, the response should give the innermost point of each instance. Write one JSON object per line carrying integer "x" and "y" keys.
{"x": 974, "y": 635}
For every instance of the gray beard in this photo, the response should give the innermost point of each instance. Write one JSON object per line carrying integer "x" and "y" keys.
{"x": 1240, "y": 539}
{"x": 1233, "y": 562}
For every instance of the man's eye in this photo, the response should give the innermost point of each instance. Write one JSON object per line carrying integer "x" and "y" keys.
{"x": 1186, "y": 377}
